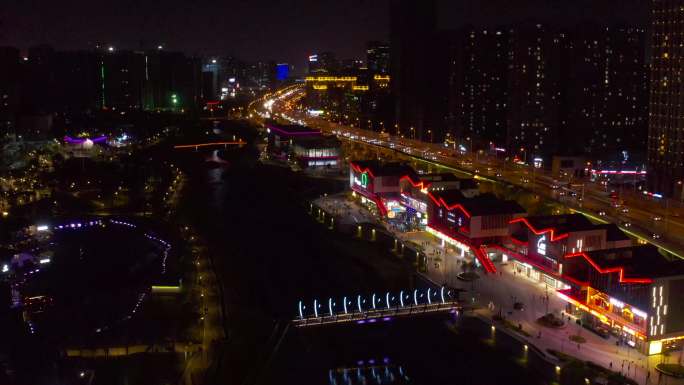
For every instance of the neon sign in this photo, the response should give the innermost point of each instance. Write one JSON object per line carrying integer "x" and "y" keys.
{"x": 541, "y": 245}
{"x": 363, "y": 181}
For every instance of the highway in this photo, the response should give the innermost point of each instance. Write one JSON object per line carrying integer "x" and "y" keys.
{"x": 653, "y": 220}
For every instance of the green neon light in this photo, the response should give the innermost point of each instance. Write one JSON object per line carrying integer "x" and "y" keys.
{"x": 166, "y": 288}
{"x": 364, "y": 180}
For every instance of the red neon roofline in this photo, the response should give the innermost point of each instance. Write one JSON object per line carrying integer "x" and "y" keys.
{"x": 521, "y": 257}
{"x": 554, "y": 238}
{"x": 620, "y": 269}
{"x": 357, "y": 168}
{"x": 441, "y": 202}
{"x": 420, "y": 184}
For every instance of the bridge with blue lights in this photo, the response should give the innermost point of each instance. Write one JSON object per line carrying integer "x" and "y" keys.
{"x": 374, "y": 308}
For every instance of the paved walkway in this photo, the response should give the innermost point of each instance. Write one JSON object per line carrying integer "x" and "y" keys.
{"x": 347, "y": 212}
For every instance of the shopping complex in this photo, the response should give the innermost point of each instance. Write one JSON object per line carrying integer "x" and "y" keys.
{"x": 303, "y": 146}
{"x": 609, "y": 284}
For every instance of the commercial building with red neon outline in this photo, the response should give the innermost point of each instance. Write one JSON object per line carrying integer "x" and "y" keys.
{"x": 611, "y": 285}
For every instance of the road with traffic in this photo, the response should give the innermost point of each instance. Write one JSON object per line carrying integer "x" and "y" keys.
{"x": 653, "y": 220}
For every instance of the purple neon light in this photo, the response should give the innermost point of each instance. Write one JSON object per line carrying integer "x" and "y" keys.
{"x": 71, "y": 140}
{"x": 294, "y": 133}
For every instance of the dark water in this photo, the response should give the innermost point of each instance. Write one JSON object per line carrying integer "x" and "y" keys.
{"x": 270, "y": 254}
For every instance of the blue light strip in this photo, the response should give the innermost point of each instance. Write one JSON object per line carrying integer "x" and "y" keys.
{"x": 375, "y": 300}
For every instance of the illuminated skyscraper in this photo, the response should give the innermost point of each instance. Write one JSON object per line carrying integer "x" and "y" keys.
{"x": 666, "y": 118}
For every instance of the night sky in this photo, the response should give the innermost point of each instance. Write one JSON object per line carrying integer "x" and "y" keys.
{"x": 282, "y": 30}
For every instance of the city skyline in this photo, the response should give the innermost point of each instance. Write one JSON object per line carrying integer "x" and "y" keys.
{"x": 310, "y": 26}
{"x": 314, "y": 192}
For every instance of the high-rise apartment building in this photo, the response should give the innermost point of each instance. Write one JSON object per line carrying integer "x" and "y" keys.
{"x": 537, "y": 84}
{"x": 666, "y": 116}
{"x": 480, "y": 86}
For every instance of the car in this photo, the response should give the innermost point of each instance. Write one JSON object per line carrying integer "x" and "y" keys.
{"x": 655, "y": 236}
{"x": 602, "y": 213}
{"x": 657, "y": 218}
{"x": 498, "y": 175}
{"x": 555, "y": 186}
{"x": 519, "y": 306}
{"x": 624, "y": 210}
{"x": 627, "y": 224}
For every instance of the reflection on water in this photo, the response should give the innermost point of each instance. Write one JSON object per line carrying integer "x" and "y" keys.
{"x": 372, "y": 373}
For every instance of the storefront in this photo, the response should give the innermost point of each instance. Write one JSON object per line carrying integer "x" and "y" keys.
{"x": 526, "y": 270}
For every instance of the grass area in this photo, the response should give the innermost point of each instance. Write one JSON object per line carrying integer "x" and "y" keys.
{"x": 578, "y": 339}
{"x": 674, "y": 370}
{"x": 550, "y": 321}
{"x": 575, "y": 371}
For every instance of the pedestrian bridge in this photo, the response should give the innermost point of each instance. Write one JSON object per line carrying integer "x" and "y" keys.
{"x": 376, "y": 308}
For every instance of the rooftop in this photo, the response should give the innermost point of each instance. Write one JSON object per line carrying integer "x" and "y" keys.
{"x": 463, "y": 183}
{"x": 613, "y": 233}
{"x": 442, "y": 177}
{"x": 637, "y": 262}
{"x": 291, "y": 129}
{"x": 561, "y": 223}
{"x": 377, "y": 168}
{"x": 483, "y": 204}
{"x": 567, "y": 223}
{"x": 318, "y": 141}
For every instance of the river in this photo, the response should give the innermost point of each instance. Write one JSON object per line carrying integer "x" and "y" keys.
{"x": 270, "y": 253}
